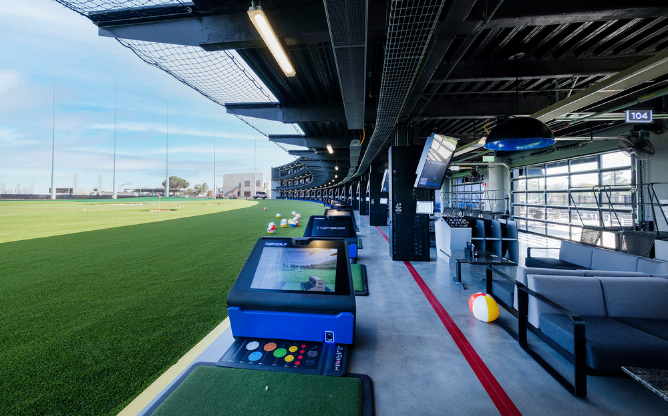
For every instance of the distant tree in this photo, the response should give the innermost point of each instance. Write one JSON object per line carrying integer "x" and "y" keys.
{"x": 176, "y": 183}
{"x": 198, "y": 190}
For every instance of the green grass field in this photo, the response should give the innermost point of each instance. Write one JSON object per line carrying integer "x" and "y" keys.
{"x": 96, "y": 304}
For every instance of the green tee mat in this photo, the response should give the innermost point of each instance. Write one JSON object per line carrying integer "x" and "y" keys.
{"x": 208, "y": 390}
{"x": 359, "y": 279}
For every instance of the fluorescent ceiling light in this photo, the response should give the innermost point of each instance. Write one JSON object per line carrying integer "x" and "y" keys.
{"x": 329, "y": 148}
{"x": 261, "y": 23}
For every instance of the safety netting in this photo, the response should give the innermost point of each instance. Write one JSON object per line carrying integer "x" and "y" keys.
{"x": 101, "y": 10}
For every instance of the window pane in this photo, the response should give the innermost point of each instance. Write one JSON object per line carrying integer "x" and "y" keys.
{"x": 519, "y": 211}
{"x": 585, "y": 163}
{"x": 619, "y": 177}
{"x": 520, "y": 185}
{"x": 555, "y": 168}
{"x": 583, "y": 199}
{"x": 557, "y": 198}
{"x": 586, "y": 180}
{"x": 535, "y": 170}
{"x": 536, "y": 227}
{"x": 535, "y": 198}
{"x": 576, "y": 232}
{"x": 557, "y": 182}
{"x": 613, "y": 160}
{"x": 608, "y": 240}
{"x": 620, "y": 199}
{"x": 521, "y": 224}
{"x": 535, "y": 184}
{"x": 557, "y": 230}
{"x": 537, "y": 213}
{"x": 519, "y": 198}
{"x": 557, "y": 215}
{"x": 586, "y": 218}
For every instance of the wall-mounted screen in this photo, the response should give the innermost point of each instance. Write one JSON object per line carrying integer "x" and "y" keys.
{"x": 434, "y": 162}
{"x": 330, "y": 228}
{"x": 424, "y": 207}
{"x": 296, "y": 269}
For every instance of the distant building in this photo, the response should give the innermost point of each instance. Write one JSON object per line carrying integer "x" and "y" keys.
{"x": 240, "y": 185}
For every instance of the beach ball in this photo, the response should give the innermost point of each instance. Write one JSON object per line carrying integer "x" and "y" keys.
{"x": 265, "y": 208}
{"x": 483, "y": 307}
{"x": 292, "y": 223}
{"x": 293, "y": 213}
{"x": 278, "y": 215}
{"x": 298, "y": 215}
{"x": 284, "y": 223}
{"x": 271, "y": 228}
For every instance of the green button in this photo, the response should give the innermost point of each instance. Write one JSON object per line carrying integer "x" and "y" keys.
{"x": 280, "y": 352}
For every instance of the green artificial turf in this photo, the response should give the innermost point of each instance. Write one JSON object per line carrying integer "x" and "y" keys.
{"x": 212, "y": 391}
{"x": 96, "y": 304}
{"x": 358, "y": 283}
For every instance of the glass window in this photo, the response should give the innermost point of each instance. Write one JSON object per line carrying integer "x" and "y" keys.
{"x": 520, "y": 211}
{"x": 618, "y": 177}
{"x": 535, "y": 198}
{"x": 536, "y": 184}
{"x": 586, "y": 180}
{"x": 583, "y": 199}
{"x": 615, "y": 160}
{"x": 586, "y": 217}
{"x": 537, "y": 213}
{"x": 556, "y": 168}
{"x": 520, "y": 198}
{"x": 557, "y": 198}
{"x": 536, "y": 227}
{"x": 520, "y": 185}
{"x": 557, "y": 183}
{"x": 585, "y": 163}
{"x": 558, "y": 215}
{"x": 247, "y": 184}
{"x": 535, "y": 170}
{"x": 558, "y": 230}
{"x": 521, "y": 224}
{"x": 608, "y": 240}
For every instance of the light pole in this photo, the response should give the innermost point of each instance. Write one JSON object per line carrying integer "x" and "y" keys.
{"x": 115, "y": 195}
{"x": 167, "y": 156}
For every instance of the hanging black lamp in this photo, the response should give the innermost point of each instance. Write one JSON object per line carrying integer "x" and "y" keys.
{"x": 520, "y": 133}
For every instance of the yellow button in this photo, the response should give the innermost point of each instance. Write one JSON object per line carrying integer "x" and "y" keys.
{"x": 292, "y": 349}
{"x": 289, "y": 358}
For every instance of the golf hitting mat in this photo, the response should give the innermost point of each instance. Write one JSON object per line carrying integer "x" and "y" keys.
{"x": 360, "y": 283}
{"x": 208, "y": 390}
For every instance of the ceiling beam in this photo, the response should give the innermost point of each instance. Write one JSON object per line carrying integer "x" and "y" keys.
{"x": 312, "y": 142}
{"x": 457, "y": 109}
{"x": 508, "y": 70}
{"x": 293, "y": 114}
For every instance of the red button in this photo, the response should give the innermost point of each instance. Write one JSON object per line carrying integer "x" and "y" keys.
{"x": 297, "y": 363}
{"x": 301, "y": 352}
{"x": 300, "y": 357}
{"x": 303, "y": 345}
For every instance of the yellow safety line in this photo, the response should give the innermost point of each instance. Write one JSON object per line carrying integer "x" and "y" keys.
{"x": 139, "y": 403}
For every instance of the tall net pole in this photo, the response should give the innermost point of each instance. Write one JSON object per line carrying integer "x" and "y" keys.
{"x": 254, "y": 165}
{"x": 53, "y": 131}
{"x": 113, "y": 184}
{"x": 214, "y": 160}
{"x": 167, "y": 156}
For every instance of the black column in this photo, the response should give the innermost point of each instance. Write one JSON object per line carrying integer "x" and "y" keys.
{"x": 409, "y": 232}
{"x": 377, "y": 211}
{"x": 364, "y": 203}
{"x": 356, "y": 195}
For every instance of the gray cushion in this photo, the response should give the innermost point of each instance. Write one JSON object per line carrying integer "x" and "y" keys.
{"x": 576, "y": 253}
{"x": 549, "y": 262}
{"x": 656, "y": 327}
{"x": 523, "y": 272}
{"x": 580, "y": 295}
{"x": 652, "y": 266}
{"x": 612, "y": 273}
{"x": 637, "y": 297}
{"x": 610, "y": 344}
{"x": 602, "y": 259}
{"x": 503, "y": 290}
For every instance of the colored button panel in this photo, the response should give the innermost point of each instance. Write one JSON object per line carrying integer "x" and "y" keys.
{"x": 280, "y": 352}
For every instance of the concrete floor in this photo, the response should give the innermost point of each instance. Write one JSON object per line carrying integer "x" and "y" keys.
{"x": 418, "y": 369}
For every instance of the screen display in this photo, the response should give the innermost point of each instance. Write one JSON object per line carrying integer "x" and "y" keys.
{"x": 434, "y": 161}
{"x": 424, "y": 207}
{"x": 385, "y": 184}
{"x": 296, "y": 269}
{"x": 330, "y": 228}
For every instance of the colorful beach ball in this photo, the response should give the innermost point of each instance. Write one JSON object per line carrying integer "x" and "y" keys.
{"x": 284, "y": 223}
{"x": 298, "y": 215}
{"x": 265, "y": 208}
{"x": 278, "y": 215}
{"x": 483, "y": 307}
{"x": 292, "y": 223}
{"x": 293, "y": 213}
{"x": 271, "y": 228}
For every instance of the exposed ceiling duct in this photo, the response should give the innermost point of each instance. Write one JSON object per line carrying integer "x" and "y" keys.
{"x": 410, "y": 27}
{"x": 347, "y": 21}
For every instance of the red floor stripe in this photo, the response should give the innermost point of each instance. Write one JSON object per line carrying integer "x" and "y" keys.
{"x": 501, "y": 400}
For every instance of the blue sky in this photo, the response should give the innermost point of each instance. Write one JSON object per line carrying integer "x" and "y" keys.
{"x": 86, "y": 67}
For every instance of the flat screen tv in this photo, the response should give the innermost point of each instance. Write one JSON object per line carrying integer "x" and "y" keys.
{"x": 296, "y": 269}
{"x": 434, "y": 161}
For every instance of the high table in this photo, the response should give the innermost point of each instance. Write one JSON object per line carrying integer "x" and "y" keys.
{"x": 484, "y": 258}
